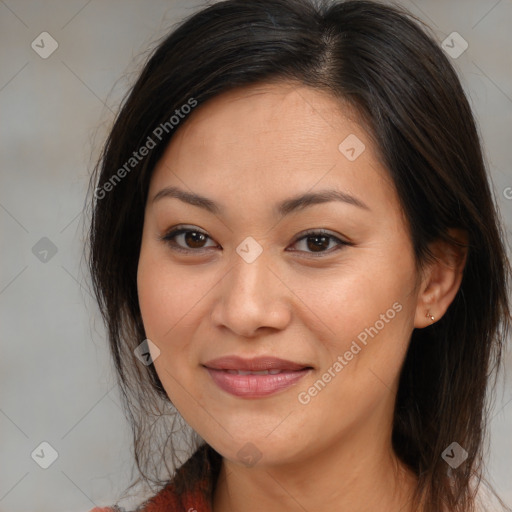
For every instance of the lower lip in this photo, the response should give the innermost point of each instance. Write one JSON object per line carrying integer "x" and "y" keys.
{"x": 255, "y": 386}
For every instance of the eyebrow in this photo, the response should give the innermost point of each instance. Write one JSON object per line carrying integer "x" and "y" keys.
{"x": 283, "y": 208}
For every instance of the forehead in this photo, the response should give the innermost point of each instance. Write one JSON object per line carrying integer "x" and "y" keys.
{"x": 271, "y": 138}
{"x": 294, "y": 112}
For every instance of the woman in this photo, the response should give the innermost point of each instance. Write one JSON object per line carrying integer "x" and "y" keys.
{"x": 294, "y": 244}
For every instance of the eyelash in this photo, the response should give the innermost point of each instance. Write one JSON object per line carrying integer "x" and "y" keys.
{"x": 169, "y": 237}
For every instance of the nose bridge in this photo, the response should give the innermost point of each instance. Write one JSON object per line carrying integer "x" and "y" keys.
{"x": 251, "y": 296}
{"x": 250, "y": 274}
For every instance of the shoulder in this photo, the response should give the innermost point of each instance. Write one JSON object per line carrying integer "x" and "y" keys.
{"x": 182, "y": 494}
{"x": 168, "y": 500}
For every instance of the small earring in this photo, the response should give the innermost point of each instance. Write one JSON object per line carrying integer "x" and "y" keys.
{"x": 428, "y": 315}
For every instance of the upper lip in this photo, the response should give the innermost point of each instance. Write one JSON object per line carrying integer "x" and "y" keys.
{"x": 254, "y": 364}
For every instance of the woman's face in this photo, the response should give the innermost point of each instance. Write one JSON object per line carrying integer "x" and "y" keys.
{"x": 247, "y": 280}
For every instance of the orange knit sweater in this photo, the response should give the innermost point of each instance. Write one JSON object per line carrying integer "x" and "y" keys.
{"x": 197, "y": 499}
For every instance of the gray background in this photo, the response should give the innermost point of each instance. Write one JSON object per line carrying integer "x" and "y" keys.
{"x": 56, "y": 381}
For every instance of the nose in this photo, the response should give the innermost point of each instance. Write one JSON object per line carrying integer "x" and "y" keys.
{"x": 252, "y": 298}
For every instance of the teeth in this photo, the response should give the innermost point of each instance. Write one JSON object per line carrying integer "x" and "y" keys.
{"x": 262, "y": 372}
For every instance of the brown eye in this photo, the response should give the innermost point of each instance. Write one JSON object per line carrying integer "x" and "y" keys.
{"x": 316, "y": 243}
{"x": 194, "y": 239}
{"x": 319, "y": 242}
{"x": 187, "y": 240}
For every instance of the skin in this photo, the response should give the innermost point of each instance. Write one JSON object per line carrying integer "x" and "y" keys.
{"x": 249, "y": 149}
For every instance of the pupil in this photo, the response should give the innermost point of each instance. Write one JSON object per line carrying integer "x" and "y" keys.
{"x": 319, "y": 242}
{"x": 193, "y": 237}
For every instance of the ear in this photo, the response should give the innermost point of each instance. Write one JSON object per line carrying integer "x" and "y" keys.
{"x": 441, "y": 279}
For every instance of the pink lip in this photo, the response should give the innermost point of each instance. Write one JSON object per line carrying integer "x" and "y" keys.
{"x": 255, "y": 386}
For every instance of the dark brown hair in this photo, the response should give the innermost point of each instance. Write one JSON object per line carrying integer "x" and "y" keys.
{"x": 378, "y": 59}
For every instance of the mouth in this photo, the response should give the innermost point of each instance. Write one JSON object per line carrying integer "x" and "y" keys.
{"x": 262, "y": 372}
{"x": 254, "y": 365}
{"x": 255, "y": 378}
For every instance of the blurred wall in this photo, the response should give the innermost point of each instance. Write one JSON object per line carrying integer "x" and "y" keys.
{"x": 58, "y": 93}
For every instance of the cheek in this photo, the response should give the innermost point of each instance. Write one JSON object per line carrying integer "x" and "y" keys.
{"x": 166, "y": 305}
{"x": 173, "y": 303}
{"x": 155, "y": 300}
{"x": 166, "y": 296}
{"x": 367, "y": 313}
{"x": 364, "y": 347}
{"x": 355, "y": 297}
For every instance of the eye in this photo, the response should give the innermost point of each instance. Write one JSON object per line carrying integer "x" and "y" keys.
{"x": 189, "y": 240}
{"x": 194, "y": 239}
{"x": 318, "y": 241}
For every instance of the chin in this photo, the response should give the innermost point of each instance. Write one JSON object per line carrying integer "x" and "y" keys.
{"x": 257, "y": 451}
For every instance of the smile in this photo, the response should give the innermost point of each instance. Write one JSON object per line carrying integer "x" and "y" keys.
{"x": 247, "y": 384}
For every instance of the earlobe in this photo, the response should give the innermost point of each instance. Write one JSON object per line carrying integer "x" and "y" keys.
{"x": 429, "y": 316}
{"x": 442, "y": 279}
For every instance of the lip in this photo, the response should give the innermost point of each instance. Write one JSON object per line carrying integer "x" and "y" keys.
{"x": 255, "y": 386}
{"x": 255, "y": 364}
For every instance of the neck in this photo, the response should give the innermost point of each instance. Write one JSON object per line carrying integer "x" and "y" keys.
{"x": 359, "y": 474}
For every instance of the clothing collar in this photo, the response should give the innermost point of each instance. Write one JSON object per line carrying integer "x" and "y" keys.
{"x": 191, "y": 489}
